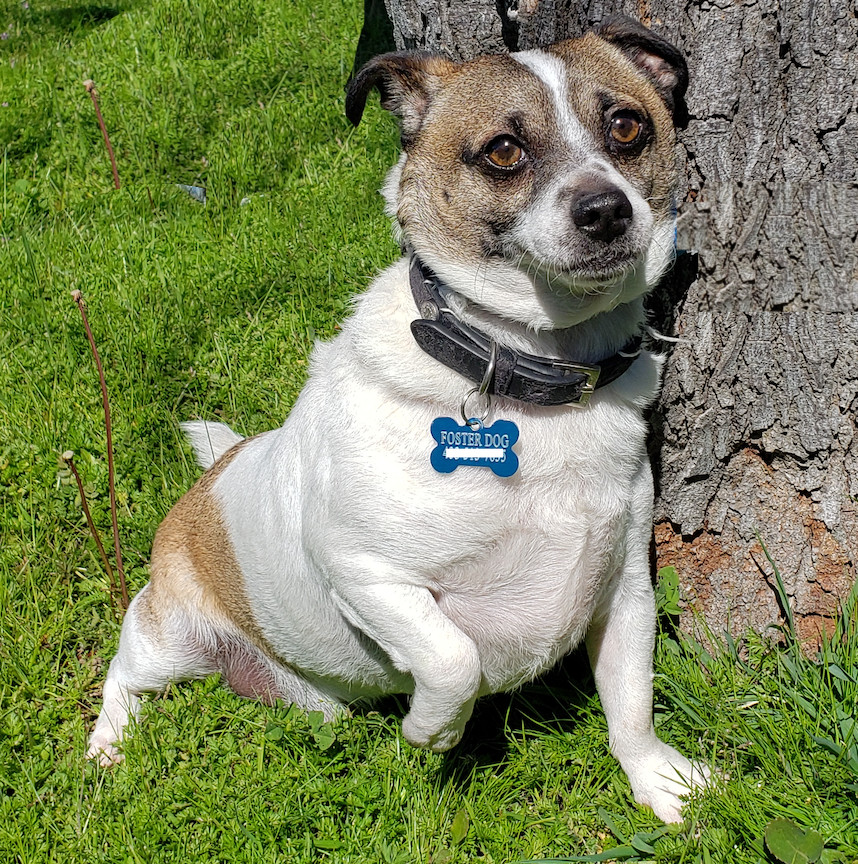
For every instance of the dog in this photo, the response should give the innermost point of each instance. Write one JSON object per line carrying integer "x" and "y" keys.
{"x": 375, "y": 544}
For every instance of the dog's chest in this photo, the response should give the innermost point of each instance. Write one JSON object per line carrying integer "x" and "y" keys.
{"x": 495, "y": 547}
{"x": 517, "y": 563}
{"x": 526, "y": 565}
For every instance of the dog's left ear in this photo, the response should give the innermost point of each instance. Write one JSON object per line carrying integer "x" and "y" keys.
{"x": 660, "y": 61}
{"x": 406, "y": 82}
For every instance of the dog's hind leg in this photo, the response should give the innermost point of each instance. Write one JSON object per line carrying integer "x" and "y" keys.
{"x": 248, "y": 671}
{"x": 155, "y": 648}
{"x": 161, "y": 643}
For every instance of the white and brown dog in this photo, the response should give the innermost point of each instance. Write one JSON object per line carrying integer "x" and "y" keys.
{"x": 340, "y": 557}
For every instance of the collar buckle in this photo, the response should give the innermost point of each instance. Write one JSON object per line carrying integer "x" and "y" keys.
{"x": 588, "y": 387}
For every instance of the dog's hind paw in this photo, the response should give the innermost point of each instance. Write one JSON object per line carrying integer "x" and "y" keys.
{"x": 663, "y": 778}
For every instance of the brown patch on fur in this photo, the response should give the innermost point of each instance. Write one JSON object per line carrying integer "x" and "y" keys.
{"x": 406, "y": 84}
{"x": 194, "y": 563}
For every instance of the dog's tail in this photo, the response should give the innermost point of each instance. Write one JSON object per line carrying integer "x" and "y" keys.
{"x": 209, "y": 440}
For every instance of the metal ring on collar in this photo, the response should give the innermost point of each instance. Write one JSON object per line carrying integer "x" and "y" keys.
{"x": 482, "y": 390}
{"x": 468, "y": 418}
{"x": 490, "y": 370}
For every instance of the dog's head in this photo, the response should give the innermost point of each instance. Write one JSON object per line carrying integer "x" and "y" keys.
{"x": 541, "y": 184}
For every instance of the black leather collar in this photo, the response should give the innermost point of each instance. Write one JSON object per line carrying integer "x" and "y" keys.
{"x": 526, "y": 377}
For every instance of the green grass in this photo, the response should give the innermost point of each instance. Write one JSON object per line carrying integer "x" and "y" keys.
{"x": 211, "y": 311}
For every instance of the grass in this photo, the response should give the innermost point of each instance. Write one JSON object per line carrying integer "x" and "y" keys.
{"x": 211, "y": 311}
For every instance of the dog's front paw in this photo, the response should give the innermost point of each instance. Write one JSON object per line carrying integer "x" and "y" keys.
{"x": 662, "y": 778}
{"x": 429, "y": 737}
{"x": 106, "y": 752}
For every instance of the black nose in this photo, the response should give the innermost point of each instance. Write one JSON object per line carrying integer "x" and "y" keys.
{"x": 602, "y": 215}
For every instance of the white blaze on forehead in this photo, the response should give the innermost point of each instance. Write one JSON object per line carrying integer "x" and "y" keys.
{"x": 552, "y": 72}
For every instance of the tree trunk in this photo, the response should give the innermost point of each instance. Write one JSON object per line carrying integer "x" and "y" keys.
{"x": 755, "y": 440}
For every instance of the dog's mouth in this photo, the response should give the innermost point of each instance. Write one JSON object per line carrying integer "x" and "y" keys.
{"x": 592, "y": 278}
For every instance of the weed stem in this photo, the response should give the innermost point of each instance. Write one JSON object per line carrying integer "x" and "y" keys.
{"x": 90, "y": 88}
{"x": 68, "y": 458}
{"x": 111, "y": 485}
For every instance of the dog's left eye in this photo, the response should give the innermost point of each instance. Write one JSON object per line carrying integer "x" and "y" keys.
{"x": 625, "y": 128}
{"x": 504, "y": 152}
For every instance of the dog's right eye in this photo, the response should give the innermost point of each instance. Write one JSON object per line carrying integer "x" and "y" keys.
{"x": 504, "y": 152}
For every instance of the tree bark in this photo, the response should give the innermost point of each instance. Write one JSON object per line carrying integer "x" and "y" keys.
{"x": 755, "y": 440}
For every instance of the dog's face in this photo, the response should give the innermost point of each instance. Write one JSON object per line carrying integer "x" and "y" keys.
{"x": 547, "y": 175}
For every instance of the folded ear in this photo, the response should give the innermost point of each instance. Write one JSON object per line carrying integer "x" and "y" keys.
{"x": 660, "y": 61}
{"x": 406, "y": 82}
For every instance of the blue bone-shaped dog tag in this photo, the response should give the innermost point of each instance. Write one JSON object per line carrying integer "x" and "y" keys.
{"x": 474, "y": 444}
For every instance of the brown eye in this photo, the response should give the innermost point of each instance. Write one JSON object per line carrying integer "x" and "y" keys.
{"x": 504, "y": 152}
{"x": 625, "y": 128}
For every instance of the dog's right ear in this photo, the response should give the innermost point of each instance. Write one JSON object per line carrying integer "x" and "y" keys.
{"x": 406, "y": 82}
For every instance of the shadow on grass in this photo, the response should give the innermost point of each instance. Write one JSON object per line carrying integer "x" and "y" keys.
{"x": 73, "y": 18}
{"x": 28, "y": 127}
{"x": 552, "y": 703}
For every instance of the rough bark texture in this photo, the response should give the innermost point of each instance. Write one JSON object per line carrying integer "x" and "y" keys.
{"x": 755, "y": 435}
